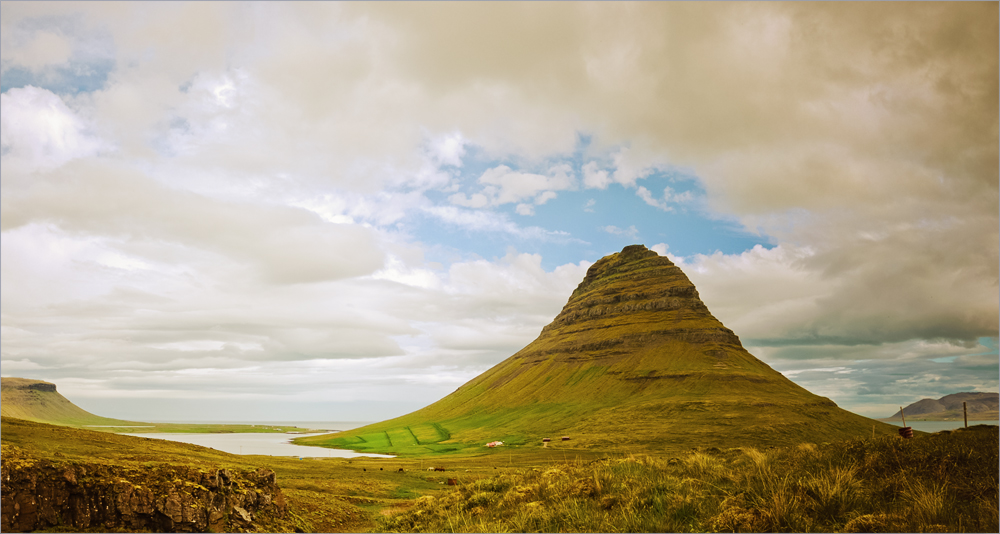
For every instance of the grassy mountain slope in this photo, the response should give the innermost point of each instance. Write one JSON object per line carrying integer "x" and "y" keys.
{"x": 634, "y": 359}
{"x": 35, "y": 400}
{"x": 981, "y": 407}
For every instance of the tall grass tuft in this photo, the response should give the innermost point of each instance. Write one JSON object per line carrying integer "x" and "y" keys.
{"x": 701, "y": 465}
{"x": 833, "y": 492}
{"x": 926, "y": 503}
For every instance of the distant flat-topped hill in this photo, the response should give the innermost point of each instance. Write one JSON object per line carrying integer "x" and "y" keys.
{"x": 635, "y": 358}
{"x": 35, "y": 400}
{"x": 981, "y": 407}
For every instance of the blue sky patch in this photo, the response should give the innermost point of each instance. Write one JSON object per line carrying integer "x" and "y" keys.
{"x": 71, "y": 79}
{"x": 573, "y": 223}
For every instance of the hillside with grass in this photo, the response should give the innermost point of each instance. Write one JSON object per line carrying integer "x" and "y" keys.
{"x": 980, "y": 406}
{"x": 634, "y": 359}
{"x": 57, "y": 478}
{"x": 36, "y": 400}
{"x": 943, "y": 482}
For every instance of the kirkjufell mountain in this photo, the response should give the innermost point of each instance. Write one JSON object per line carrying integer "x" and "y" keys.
{"x": 635, "y": 358}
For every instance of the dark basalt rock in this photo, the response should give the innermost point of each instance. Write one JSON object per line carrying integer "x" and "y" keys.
{"x": 40, "y": 494}
{"x": 28, "y": 384}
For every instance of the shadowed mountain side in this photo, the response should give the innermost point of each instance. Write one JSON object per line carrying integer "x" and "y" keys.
{"x": 35, "y": 400}
{"x": 635, "y": 358}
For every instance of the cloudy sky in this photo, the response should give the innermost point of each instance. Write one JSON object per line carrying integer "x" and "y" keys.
{"x": 338, "y": 211}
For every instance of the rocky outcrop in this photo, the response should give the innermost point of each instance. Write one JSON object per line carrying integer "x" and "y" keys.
{"x": 627, "y": 303}
{"x": 636, "y": 279}
{"x": 41, "y": 494}
{"x": 627, "y": 287}
{"x": 11, "y": 383}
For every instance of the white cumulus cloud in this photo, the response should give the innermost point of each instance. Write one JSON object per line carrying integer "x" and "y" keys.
{"x": 39, "y": 131}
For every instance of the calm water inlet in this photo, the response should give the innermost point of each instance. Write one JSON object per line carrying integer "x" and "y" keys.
{"x": 263, "y": 444}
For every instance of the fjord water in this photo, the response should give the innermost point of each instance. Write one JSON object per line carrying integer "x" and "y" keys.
{"x": 937, "y": 426}
{"x": 273, "y": 444}
{"x": 325, "y": 426}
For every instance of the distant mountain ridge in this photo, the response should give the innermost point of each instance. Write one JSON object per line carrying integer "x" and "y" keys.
{"x": 981, "y": 407}
{"x": 634, "y": 358}
{"x": 37, "y": 400}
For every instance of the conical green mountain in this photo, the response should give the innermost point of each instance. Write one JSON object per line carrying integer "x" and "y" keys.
{"x": 634, "y": 359}
{"x": 35, "y": 400}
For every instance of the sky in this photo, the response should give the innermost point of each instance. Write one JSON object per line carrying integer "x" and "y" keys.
{"x": 344, "y": 211}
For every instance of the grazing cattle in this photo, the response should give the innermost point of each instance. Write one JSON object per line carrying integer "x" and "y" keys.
{"x": 439, "y": 469}
{"x": 400, "y": 470}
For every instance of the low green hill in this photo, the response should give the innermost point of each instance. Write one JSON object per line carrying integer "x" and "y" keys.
{"x": 634, "y": 359}
{"x": 35, "y": 400}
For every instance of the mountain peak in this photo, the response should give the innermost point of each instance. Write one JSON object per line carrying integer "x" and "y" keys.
{"x": 638, "y": 287}
{"x": 634, "y": 252}
{"x": 635, "y": 357}
{"x": 612, "y": 263}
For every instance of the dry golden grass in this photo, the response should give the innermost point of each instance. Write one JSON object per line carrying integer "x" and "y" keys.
{"x": 880, "y": 485}
{"x": 943, "y": 482}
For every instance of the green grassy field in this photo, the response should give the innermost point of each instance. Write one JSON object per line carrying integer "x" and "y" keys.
{"x": 934, "y": 483}
{"x": 944, "y": 482}
{"x": 324, "y": 494}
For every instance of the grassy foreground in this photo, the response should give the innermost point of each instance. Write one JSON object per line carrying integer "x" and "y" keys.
{"x": 323, "y": 494}
{"x": 935, "y": 483}
{"x": 944, "y": 482}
